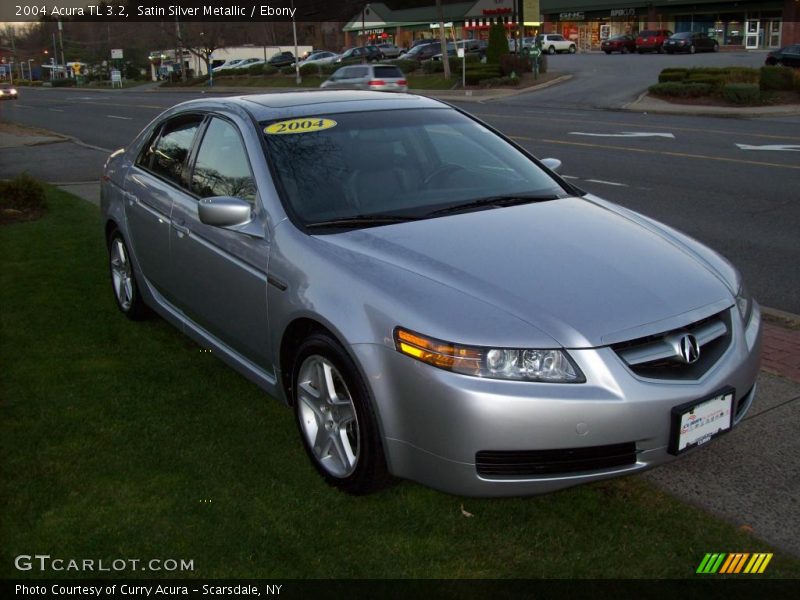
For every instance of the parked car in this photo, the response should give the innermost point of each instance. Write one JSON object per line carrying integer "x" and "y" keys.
{"x": 281, "y": 59}
{"x": 8, "y": 92}
{"x": 652, "y": 40}
{"x": 228, "y": 64}
{"x": 788, "y": 56}
{"x": 553, "y": 42}
{"x": 433, "y": 302}
{"x": 390, "y": 50}
{"x": 623, "y": 44}
{"x": 691, "y": 42}
{"x": 422, "y": 52}
{"x": 247, "y": 62}
{"x": 381, "y": 78}
{"x": 321, "y": 57}
{"x": 477, "y": 47}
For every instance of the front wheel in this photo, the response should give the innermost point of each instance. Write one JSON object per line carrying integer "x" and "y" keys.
{"x": 607, "y": 51}
{"x": 551, "y": 50}
{"x": 692, "y": 49}
{"x": 334, "y": 414}
{"x": 715, "y": 48}
{"x": 625, "y": 50}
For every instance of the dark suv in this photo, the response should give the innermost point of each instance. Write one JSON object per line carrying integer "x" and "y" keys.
{"x": 652, "y": 40}
{"x": 281, "y": 59}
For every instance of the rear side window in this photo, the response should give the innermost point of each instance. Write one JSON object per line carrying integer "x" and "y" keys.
{"x": 388, "y": 72}
{"x": 172, "y": 147}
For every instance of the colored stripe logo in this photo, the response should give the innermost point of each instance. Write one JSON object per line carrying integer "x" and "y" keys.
{"x": 733, "y": 563}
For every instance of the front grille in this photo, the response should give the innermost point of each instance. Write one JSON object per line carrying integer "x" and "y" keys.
{"x": 655, "y": 356}
{"x": 527, "y": 463}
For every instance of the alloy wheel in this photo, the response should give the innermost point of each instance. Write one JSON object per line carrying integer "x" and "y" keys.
{"x": 121, "y": 274}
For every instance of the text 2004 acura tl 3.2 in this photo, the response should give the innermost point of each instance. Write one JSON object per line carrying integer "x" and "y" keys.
{"x": 433, "y": 302}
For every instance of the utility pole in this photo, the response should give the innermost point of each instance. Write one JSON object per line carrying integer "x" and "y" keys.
{"x": 443, "y": 39}
{"x": 296, "y": 58}
{"x": 54, "y": 57}
{"x": 61, "y": 43}
{"x": 179, "y": 49}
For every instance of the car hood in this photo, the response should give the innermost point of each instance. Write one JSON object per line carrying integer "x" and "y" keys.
{"x": 579, "y": 271}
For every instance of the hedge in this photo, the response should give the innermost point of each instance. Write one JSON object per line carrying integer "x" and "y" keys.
{"x": 680, "y": 90}
{"x": 717, "y": 82}
{"x": 512, "y": 63}
{"x": 776, "y": 78}
{"x": 742, "y": 93}
{"x": 665, "y": 76}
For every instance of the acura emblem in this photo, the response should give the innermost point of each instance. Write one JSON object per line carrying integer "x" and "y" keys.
{"x": 689, "y": 349}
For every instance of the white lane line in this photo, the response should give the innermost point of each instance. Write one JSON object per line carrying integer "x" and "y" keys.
{"x": 626, "y": 134}
{"x": 123, "y": 118}
{"x": 607, "y": 182}
{"x": 569, "y": 177}
{"x": 56, "y": 109}
{"x": 774, "y": 147}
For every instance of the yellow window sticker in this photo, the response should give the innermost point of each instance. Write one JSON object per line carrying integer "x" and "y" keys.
{"x": 306, "y": 125}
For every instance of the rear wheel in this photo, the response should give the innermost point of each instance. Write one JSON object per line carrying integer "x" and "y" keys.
{"x": 572, "y": 49}
{"x": 123, "y": 279}
{"x": 715, "y": 48}
{"x": 334, "y": 414}
{"x": 692, "y": 49}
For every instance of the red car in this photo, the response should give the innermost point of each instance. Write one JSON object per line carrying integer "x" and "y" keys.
{"x": 652, "y": 40}
{"x": 619, "y": 43}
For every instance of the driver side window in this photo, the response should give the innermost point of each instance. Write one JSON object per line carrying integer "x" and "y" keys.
{"x": 222, "y": 168}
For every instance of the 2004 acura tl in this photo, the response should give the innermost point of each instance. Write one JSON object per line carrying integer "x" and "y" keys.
{"x": 434, "y": 302}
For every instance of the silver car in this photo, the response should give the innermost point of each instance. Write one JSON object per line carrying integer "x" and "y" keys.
{"x": 379, "y": 78}
{"x": 432, "y": 301}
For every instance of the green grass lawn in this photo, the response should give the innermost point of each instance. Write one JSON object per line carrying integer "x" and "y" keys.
{"x": 124, "y": 440}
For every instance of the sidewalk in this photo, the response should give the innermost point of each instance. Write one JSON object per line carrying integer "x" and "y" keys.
{"x": 750, "y": 477}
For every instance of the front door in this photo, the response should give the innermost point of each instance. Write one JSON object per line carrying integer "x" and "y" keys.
{"x": 222, "y": 273}
{"x": 774, "y": 33}
{"x": 752, "y": 34}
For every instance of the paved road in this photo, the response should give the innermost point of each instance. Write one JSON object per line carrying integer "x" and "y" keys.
{"x": 686, "y": 171}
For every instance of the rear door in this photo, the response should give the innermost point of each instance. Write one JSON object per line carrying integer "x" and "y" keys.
{"x": 150, "y": 188}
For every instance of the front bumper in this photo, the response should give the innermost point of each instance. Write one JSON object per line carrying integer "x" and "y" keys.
{"x": 434, "y": 422}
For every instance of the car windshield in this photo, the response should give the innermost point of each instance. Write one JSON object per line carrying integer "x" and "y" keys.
{"x": 371, "y": 168}
{"x": 682, "y": 36}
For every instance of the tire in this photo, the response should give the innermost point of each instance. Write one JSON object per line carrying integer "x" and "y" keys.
{"x": 335, "y": 418}
{"x": 625, "y": 50}
{"x": 123, "y": 279}
{"x": 639, "y": 51}
{"x": 551, "y": 50}
{"x": 572, "y": 49}
{"x": 692, "y": 49}
{"x": 660, "y": 49}
{"x": 715, "y": 48}
{"x": 608, "y": 51}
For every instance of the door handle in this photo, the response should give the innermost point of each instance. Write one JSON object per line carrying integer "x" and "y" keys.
{"x": 180, "y": 228}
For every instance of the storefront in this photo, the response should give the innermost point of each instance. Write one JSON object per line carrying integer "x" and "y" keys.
{"x": 746, "y": 24}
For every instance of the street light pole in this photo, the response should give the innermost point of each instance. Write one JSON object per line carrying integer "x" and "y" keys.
{"x": 296, "y": 61}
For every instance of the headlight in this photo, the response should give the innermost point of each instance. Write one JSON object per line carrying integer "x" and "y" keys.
{"x": 744, "y": 302}
{"x": 13, "y": 91}
{"x": 521, "y": 364}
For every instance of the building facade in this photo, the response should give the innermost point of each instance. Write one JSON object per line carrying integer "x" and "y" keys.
{"x": 746, "y": 24}
{"x": 377, "y": 23}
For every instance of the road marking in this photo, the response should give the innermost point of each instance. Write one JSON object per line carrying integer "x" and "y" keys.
{"x": 661, "y": 152}
{"x": 777, "y": 147}
{"x": 569, "y": 177}
{"x": 607, "y": 182}
{"x": 625, "y": 134}
{"x": 123, "y": 118}
{"x": 56, "y": 109}
{"x": 624, "y": 124}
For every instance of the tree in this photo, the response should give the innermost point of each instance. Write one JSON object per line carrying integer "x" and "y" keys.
{"x": 201, "y": 39}
{"x": 498, "y": 44}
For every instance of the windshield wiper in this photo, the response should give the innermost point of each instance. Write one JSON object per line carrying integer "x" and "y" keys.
{"x": 496, "y": 201}
{"x": 362, "y": 221}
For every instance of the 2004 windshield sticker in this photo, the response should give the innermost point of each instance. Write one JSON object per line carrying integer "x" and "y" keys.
{"x": 305, "y": 125}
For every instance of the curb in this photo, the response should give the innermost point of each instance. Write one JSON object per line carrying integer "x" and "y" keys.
{"x": 647, "y": 104}
{"x": 461, "y": 96}
{"x": 781, "y": 317}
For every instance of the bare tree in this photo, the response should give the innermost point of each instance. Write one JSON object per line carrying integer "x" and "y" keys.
{"x": 201, "y": 39}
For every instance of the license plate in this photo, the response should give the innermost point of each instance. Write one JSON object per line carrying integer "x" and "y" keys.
{"x": 699, "y": 421}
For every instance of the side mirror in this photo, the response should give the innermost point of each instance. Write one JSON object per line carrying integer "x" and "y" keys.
{"x": 224, "y": 211}
{"x": 553, "y": 164}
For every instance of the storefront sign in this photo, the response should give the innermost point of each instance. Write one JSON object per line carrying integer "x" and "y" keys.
{"x": 572, "y": 16}
{"x": 623, "y": 12}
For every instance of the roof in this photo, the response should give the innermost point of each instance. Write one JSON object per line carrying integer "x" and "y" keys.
{"x": 265, "y": 107}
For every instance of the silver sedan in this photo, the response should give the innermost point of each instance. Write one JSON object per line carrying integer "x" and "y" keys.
{"x": 432, "y": 301}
